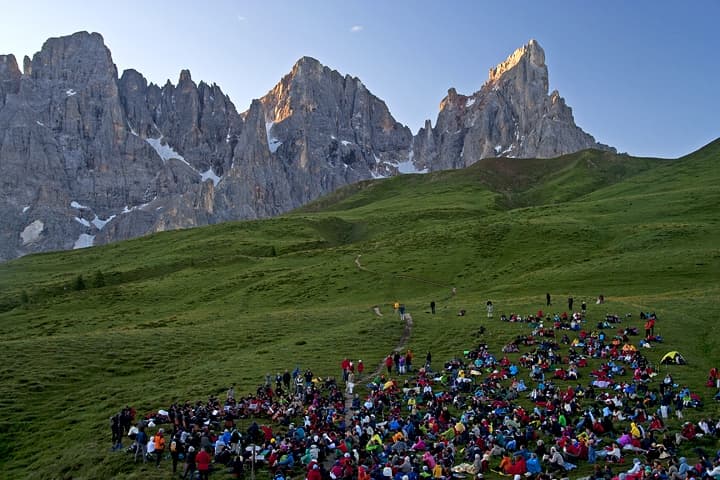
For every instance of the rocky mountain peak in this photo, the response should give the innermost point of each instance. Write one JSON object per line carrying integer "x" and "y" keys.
{"x": 8, "y": 66}
{"x": 73, "y": 58}
{"x": 529, "y": 55}
{"x": 306, "y": 66}
{"x": 185, "y": 77}
{"x": 512, "y": 115}
{"x": 9, "y": 76}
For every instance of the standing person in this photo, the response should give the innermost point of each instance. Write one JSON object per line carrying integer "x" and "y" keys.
{"x": 117, "y": 431}
{"x": 345, "y": 366}
{"x": 570, "y": 304}
{"x": 402, "y": 311}
{"x": 190, "y": 464}
{"x": 231, "y": 392}
{"x": 428, "y": 359}
{"x": 547, "y": 299}
{"x": 583, "y": 307}
{"x": 360, "y": 367}
{"x": 408, "y": 359}
{"x": 350, "y": 383}
{"x": 389, "y": 363}
{"x": 176, "y": 448}
{"x": 432, "y": 307}
{"x": 141, "y": 439}
{"x": 489, "y": 307}
{"x": 203, "y": 463}
{"x": 159, "y": 441}
{"x": 286, "y": 380}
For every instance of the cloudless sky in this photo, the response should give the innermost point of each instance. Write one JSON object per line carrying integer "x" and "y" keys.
{"x": 640, "y": 75}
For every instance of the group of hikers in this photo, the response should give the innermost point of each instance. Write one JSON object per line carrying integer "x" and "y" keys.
{"x": 559, "y": 403}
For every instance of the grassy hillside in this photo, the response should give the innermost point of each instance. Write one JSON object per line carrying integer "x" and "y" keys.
{"x": 181, "y": 315}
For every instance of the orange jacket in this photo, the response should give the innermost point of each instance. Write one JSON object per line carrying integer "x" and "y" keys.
{"x": 159, "y": 441}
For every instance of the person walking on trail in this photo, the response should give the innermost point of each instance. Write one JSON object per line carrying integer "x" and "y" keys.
{"x": 570, "y": 304}
{"x": 402, "y": 311}
{"x": 432, "y": 307}
{"x": 547, "y": 298}
{"x": 389, "y": 363}
{"x": 350, "y": 383}
{"x": 490, "y": 308}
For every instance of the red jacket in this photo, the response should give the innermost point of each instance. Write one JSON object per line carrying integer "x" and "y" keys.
{"x": 314, "y": 474}
{"x": 202, "y": 459}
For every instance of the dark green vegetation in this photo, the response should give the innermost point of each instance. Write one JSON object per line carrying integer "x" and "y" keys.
{"x": 181, "y": 315}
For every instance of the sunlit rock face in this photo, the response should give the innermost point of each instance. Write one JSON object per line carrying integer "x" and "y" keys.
{"x": 88, "y": 156}
{"x": 512, "y": 115}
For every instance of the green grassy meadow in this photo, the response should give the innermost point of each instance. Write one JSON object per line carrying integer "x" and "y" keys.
{"x": 182, "y": 315}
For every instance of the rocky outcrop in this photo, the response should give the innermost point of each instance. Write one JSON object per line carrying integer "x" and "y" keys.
{"x": 512, "y": 115}
{"x": 87, "y": 157}
{"x": 330, "y": 130}
{"x": 9, "y": 77}
{"x": 94, "y": 158}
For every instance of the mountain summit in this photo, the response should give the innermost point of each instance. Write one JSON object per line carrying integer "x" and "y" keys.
{"x": 89, "y": 157}
{"x": 529, "y": 57}
{"x": 512, "y": 115}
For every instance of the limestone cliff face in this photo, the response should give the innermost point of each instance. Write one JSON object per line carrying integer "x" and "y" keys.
{"x": 512, "y": 115}
{"x": 87, "y": 157}
{"x": 63, "y": 139}
{"x": 328, "y": 130}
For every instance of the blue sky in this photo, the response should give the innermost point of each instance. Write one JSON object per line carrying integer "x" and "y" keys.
{"x": 640, "y": 75}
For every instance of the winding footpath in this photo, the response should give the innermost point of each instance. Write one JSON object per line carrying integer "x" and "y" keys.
{"x": 402, "y": 343}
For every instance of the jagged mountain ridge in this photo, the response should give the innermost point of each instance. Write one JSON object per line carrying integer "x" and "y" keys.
{"x": 512, "y": 115}
{"x": 88, "y": 157}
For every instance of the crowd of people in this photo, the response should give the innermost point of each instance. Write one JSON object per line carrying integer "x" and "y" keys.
{"x": 572, "y": 395}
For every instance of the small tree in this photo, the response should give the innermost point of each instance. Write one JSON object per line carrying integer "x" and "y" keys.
{"x": 78, "y": 283}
